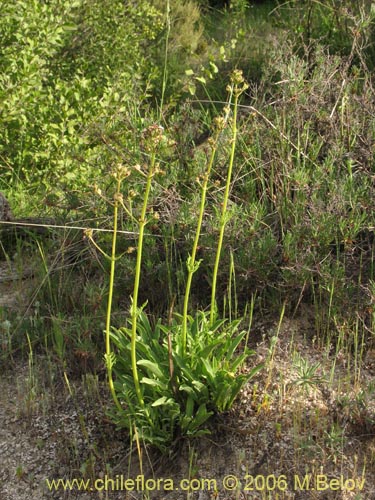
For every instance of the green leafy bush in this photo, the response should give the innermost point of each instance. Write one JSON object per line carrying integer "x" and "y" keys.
{"x": 181, "y": 391}
{"x": 70, "y": 71}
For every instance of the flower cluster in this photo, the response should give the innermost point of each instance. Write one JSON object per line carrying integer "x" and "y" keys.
{"x": 152, "y": 138}
{"x": 238, "y": 84}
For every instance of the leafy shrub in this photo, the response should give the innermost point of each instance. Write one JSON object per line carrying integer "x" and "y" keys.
{"x": 70, "y": 71}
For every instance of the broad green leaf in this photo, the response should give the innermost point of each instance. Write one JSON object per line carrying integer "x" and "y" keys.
{"x": 208, "y": 370}
{"x": 254, "y": 371}
{"x": 198, "y": 433}
{"x": 233, "y": 346}
{"x": 186, "y": 388}
{"x": 184, "y": 369}
{"x": 153, "y": 367}
{"x": 202, "y": 415}
{"x": 237, "y": 362}
{"x": 190, "y": 407}
{"x": 199, "y": 386}
{"x": 154, "y": 382}
{"x": 215, "y": 69}
{"x": 192, "y": 89}
{"x": 161, "y": 401}
{"x": 205, "y": 353}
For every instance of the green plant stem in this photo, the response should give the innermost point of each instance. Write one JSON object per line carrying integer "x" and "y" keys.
{"x": 108, "y": 351}
{"x": 165, "y": 70}
{"x": 134, "y": 308}
{"x": 224, "y": 217}
{"x": 191, "y": 264}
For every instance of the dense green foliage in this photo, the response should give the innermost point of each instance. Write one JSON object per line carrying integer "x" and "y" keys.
{"x": 181, "y": 390}
{"x": 71, "y": 71}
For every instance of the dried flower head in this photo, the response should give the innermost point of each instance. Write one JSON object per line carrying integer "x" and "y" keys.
{"x": 219, "y": 123}
{"x": 118, "y": 197}
{"x": 238, "y": 83}
{"x": 152, "y": 137}
{"x": 237, "y": 77}
{"x": 88, "y": 233}
{"x": 211, "y": 141}
{"x": 120, "y": 172}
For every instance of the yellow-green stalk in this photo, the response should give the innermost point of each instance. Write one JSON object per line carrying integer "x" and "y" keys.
{"x": 108, "y": 352}
{"x": 191, "y": 263}
{"x": 120, "y": 173}
{"x": 153, "y": 136}
{"x": 236, "y": 88}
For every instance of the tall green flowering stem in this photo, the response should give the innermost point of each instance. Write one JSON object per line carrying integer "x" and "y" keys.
{"x": 108, "y": 352}
{"x": 119, "y": 174}
{"x": 165, "y": 70}
{"x": 236, "y": 88}
{"x": 191, "y": 264}
{"x": 152, "y": 138}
